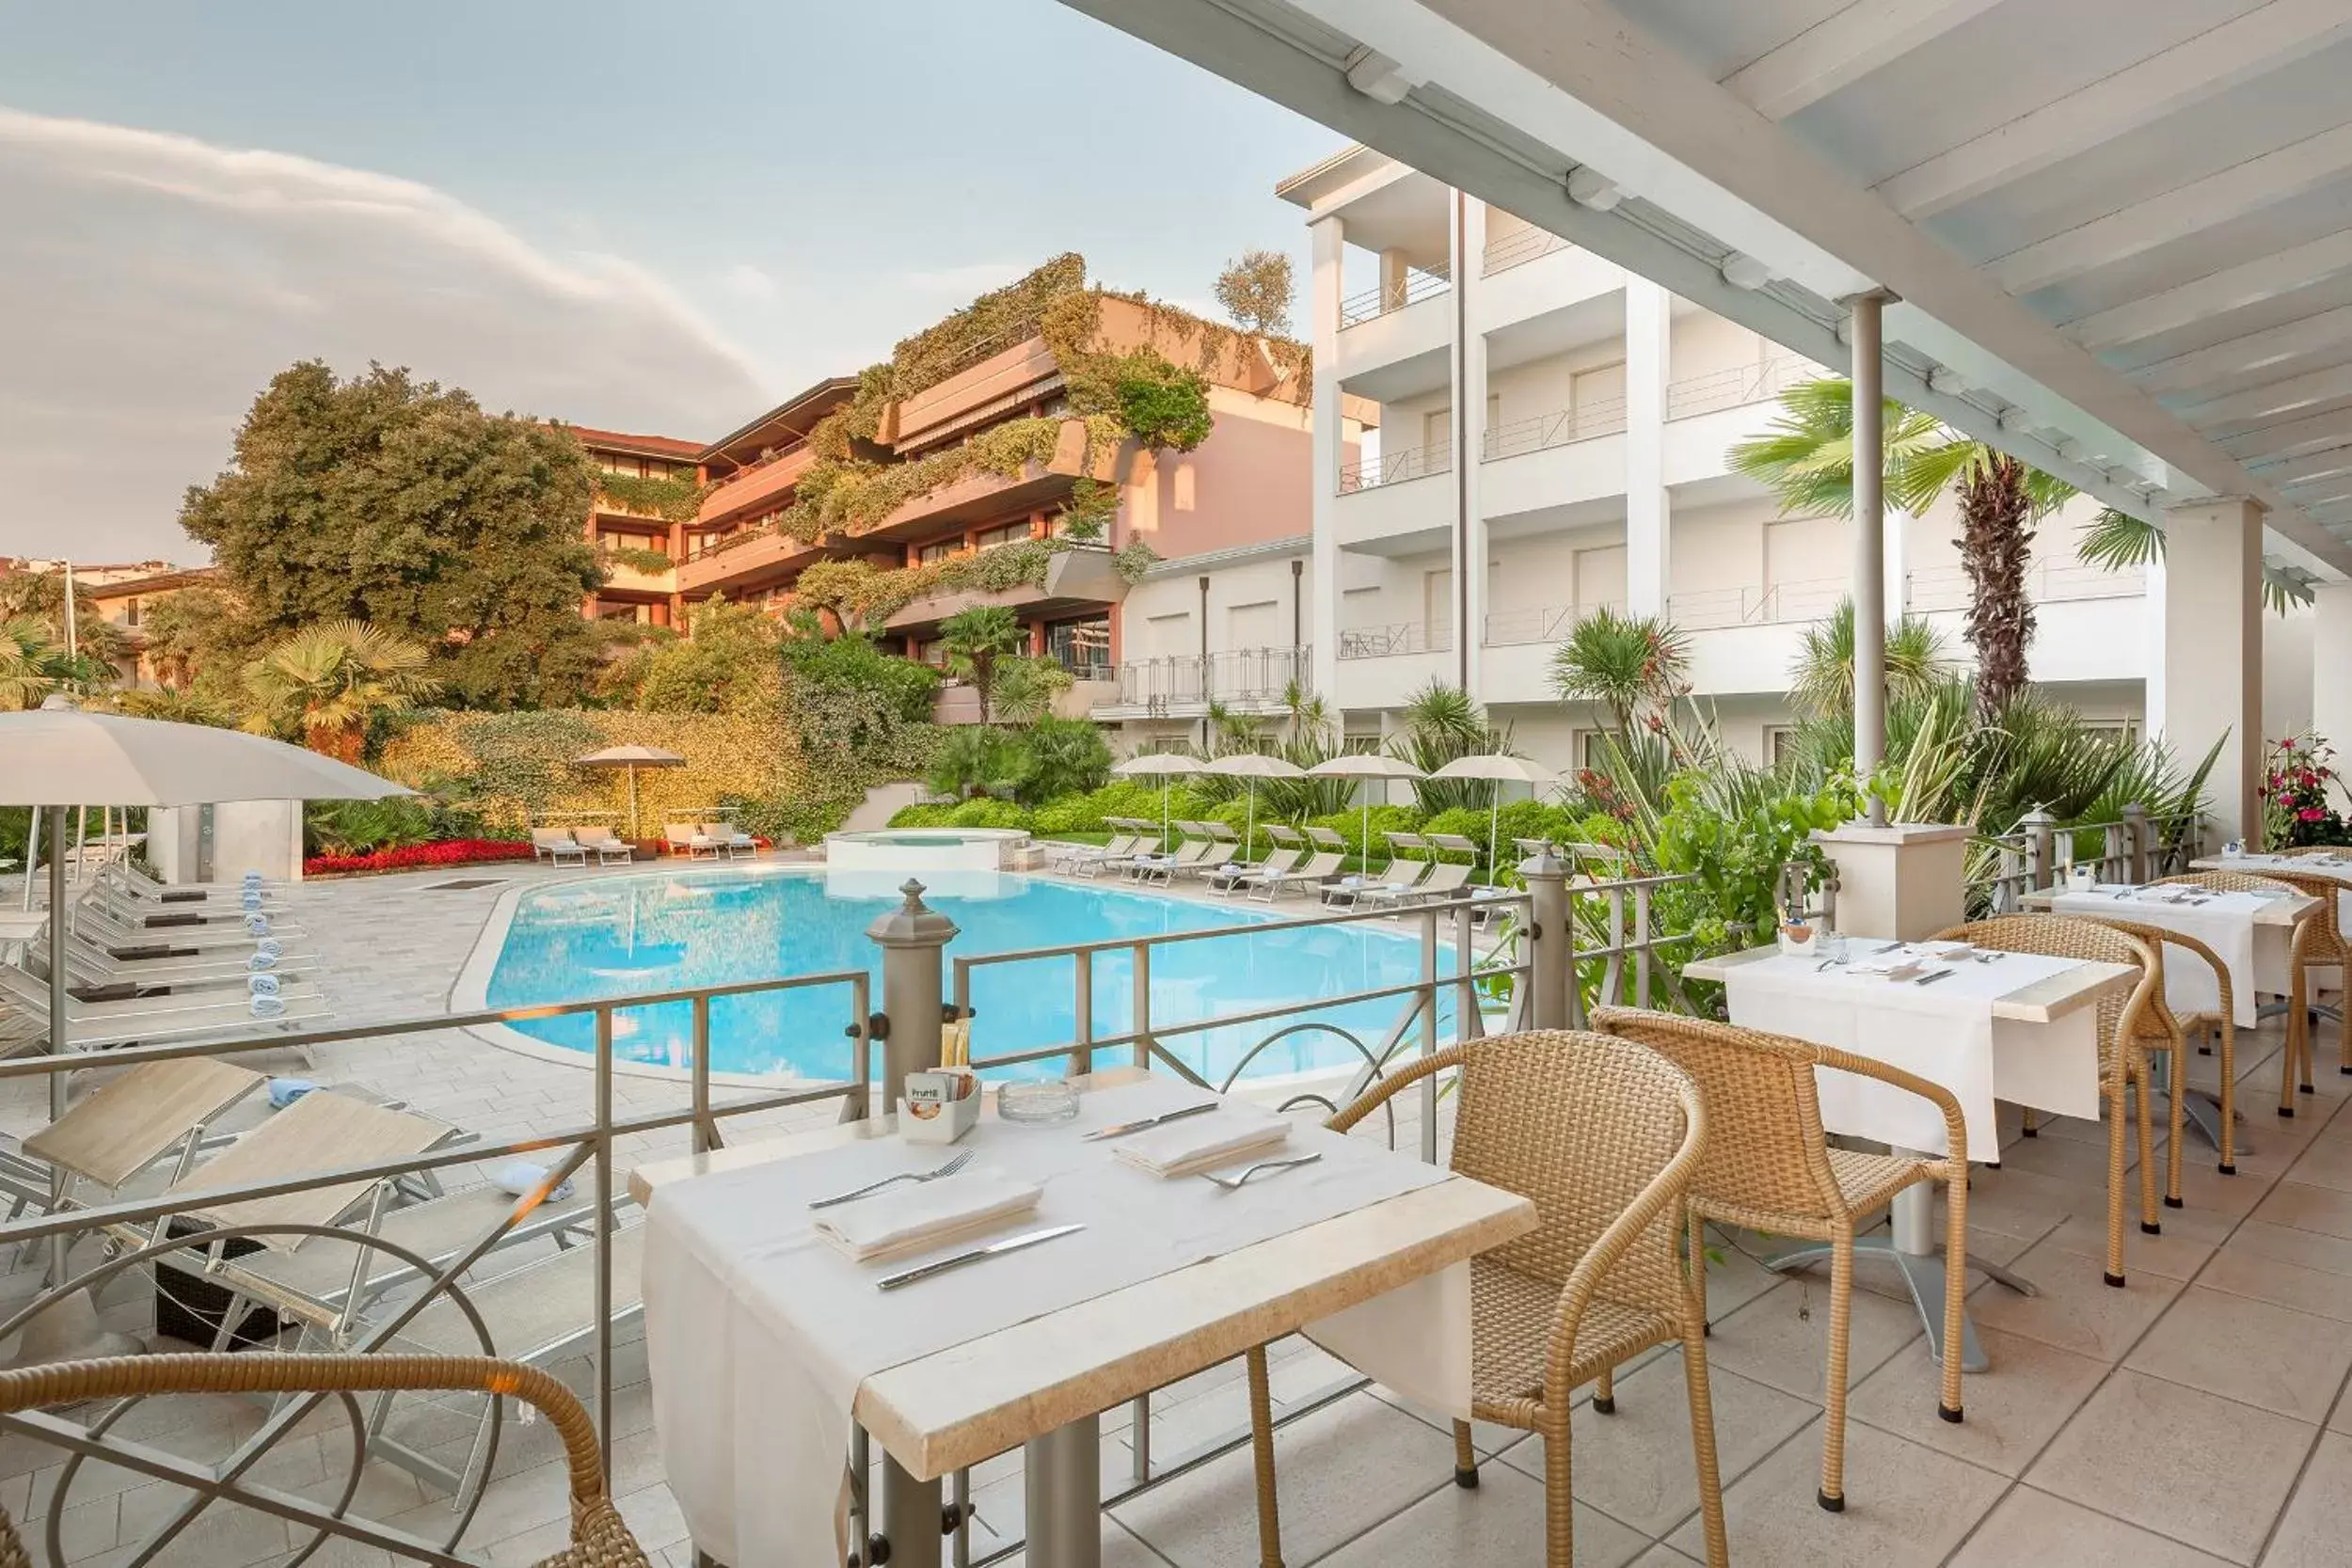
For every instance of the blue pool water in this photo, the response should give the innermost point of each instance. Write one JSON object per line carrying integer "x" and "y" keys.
{"x": 632, "y": 935}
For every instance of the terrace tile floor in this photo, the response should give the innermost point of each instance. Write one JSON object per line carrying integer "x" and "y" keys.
{"x": 2196, "y": 1418}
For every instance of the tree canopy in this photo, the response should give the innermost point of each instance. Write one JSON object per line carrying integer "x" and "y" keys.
{"x": 399, "y": 503}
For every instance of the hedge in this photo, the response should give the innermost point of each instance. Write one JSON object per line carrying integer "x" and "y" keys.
{"x": 447, "y": 851}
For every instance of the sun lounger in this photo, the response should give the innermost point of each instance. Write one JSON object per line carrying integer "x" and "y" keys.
{"x": 730, "y": 840}
{"x": 131, "y": 882}
{"x": 1318, "y": 868}
{"x": 687, "y": 839}
{"x": 155, "y": 1112}
{"x": 606, "y": 845}
{"x": 117, "y": 925}
{"x": 1405, "y": 851}
{"x": 1290, "y": 847}
{"x": 1441, "y": 880}
{"x": 94, "y": 967}
{"x": 1225, "y": 853}
{"x": 1164, "y": 870}
{"x": 1127, "y": 836}
{"x": 92, "y": 1025}
{"x": 1132, "y": 836}
{"x": 557, "y": 847}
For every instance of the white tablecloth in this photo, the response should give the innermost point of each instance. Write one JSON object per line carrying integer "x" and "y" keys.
{"x": 758, "y": 1335}
{"x": 2335, "y": 868}
{"x": 1942, "y": 1032}
{"x": 2223, "y": 922}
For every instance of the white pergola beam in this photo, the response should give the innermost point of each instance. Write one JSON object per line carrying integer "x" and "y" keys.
{"x": 1842, "y": 49}
{"x": 2191, "y": 71}
{"x": 2320, "y": 431}
{"x": 2248, "y": 354}
{"x": 2265, "y": 277}
{"x": 2202, "y": 204}
{"x": 2280, "y": 400}
{"x": 2289, "y": 472}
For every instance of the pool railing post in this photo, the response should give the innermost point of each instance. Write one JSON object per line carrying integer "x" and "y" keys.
{"x": 1550, "y": 973}
{"x": 913, "y": 938}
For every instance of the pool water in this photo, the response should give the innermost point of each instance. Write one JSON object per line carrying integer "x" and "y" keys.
{"x": 631, "y": 935}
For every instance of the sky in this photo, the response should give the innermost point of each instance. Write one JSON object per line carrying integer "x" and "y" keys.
{"x": 657, "y": 217}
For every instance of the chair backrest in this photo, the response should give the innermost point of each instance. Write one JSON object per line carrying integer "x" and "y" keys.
{"x": 1328, "y": 838}
{"x": 1283, "y": 834}
{"x": 679, "y": 834}
{"x": 1222, "y": 833}
{"x": 594, "y": 836}
{"x": 1590, "y": 1127}
{"x": 720, "y": 831}
{"x": 1450, "y": 844}
{"x": 1444, "y": 877}
{"x": 1409, "y": 846}
{"x": 2227, "y": 882}
{"x": 550, "y": 838}
{"x": 2121, "y": 1014}
{"x": 2159, "y": 1019}
{"x": 1764, "y": 1147}
{"x": 2326, "y": 921}
{"x": 1322, "y": 863}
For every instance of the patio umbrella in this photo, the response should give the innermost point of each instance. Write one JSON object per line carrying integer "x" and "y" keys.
{"x": 1163, "y": 766}
{"x": 1254, "y": 765}
{"x": 58, "y": 754}
{"x": 1365, "y": 765}
{"x": 632, "y": 758}
{"x": 1499, "y": 769}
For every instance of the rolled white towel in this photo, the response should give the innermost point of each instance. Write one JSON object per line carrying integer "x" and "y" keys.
{"x": 252, "y": 900}
{"x": 266, "y": 1006}
{"x": 253, "y": 879}
{"x": 268, "y": 947}
{"x": 262, "y": 960}
{"x": 257, "y": 924}
{"x": 261, "y": 985}
{"x": 522, "y": 1178}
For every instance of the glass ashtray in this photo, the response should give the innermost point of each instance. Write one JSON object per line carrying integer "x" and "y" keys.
{"x": 1036, "y": 1104}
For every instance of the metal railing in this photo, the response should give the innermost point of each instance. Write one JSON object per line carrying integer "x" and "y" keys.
{"x": 1934, "y": 588}
{"x": 1519, "y": 248}
{"x": 1400, "y": 636}
{"x": 1740, "y": 384}
{"x": 1234, "y": 676}
{"x": 2032, "y": 857}
{"x": 1799, "y": 599}
{"x": 1419, "y": 283}
{"x": 1545, "y": 624}
{"x": 1390, "y": 468}
{"x": 1586, "y": 421}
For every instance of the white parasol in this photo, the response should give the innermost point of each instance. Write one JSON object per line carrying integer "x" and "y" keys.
{"x": 1498, "y": 768}
{"x": 1365, "y": 765}
{"x": 1163, "y": 766}
{"x": 1254, "y": 765}
{"x": 632, "y": 758}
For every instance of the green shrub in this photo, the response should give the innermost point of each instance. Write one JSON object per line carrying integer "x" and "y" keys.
{"x": 987, "y": 814}
{"x": 1385, "y": 819}
{"x": 924, "y": 814}
{"x": 1064, "y": 758}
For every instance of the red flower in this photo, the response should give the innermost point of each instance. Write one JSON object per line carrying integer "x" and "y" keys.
{"x": 2313, "y": 814}
{"x": 453, "y": 851}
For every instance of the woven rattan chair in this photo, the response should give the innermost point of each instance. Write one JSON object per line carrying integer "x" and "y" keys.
{"x": 599, "y": 1537}
{"x": 1769, "y": 1167}
{"x": 2319, "y": 943}
{"x": 2161, "y": 1032}
{"x": 1605, "y": 1135}
{"x": 2123, "y": 1063}
{"x": 2306, "y": 940}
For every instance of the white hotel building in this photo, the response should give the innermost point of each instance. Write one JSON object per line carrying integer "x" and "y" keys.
{"x": 1510, "y": 433}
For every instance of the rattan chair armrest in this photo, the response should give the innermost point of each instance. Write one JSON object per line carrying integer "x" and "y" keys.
{"x": 1373, "y": 1098}
{"x": 1955, "y": 1124}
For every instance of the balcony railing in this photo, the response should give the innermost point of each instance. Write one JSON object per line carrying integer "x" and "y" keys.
{"x": 1390, "y": 468}
{"x": 1584, "y": 422}
{"x": 1799, "y": 600}
{"x": 1258, "y": 676}
{"x": 1419, "y": 283}
{"x": 1935, "y": 588}
{"x": 1402, "y": 637}
{"x": 1507, "y": 628}
{"x": 1742, "y": 384}
{"x": 705, "y": 545}
{"x": 1518, "y": 249}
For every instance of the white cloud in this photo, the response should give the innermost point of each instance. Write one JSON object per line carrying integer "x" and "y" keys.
{"x": 149, "y": 284}
{"x": 747, "y": 282}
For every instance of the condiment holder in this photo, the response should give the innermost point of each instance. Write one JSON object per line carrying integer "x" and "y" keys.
{"x": 942, "y": 1106}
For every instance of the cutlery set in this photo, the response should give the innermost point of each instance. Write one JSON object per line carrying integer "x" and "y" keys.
{"x": 1031, "y": 1237}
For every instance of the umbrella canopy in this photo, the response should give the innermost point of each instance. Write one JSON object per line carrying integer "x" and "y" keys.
{"x": 1365, "y": 765}
{"x": 632, "y": 758}
{"x": 61, "y": 756}
{"x": 1162, "y": 765}
{"x": 1499, "y": 768}
{"x": 1254, "y": 765}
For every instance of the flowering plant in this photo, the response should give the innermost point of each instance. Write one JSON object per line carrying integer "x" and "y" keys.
{"x": 447, "y": 851}
{"x": 2296, "y": 774}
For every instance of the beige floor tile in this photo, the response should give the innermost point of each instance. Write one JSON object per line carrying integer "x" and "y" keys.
{"x": 1906, "y": 1506}
{"x": 1636, "y": 1464}
{"x": 1662, "y": 1555}
{"x": 2186, "y": 1464}
{"x": 2305, "y": 1249}
{"x": 1770, "y": 1342}
{"x": 1503, "y": 1522}
{"x": 1120, "y": 1550}
{"x": 1341, "y": 1470}
{"x": 2306, "y": 1208}
{"x": 2189, "y": 1239}
{"x": 2282, "y": 1360}
{"x": 2031, "y": 1527}
{"x": 2326, "y": 1164}
{"x": 2012, "y": 1410}
{"x": 2312, "y": 1532}
{"x": 2240, "y": 1271}
{"x": 2076, "y": 1309}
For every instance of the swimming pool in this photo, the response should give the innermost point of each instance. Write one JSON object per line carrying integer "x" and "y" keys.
{"x": 628, "y": 935}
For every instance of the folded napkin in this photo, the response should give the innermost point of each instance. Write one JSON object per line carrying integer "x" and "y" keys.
{"x": 1887, "y": 966}
{"x": 1196, "y": 1144}
{"x": 926, "y": 1214}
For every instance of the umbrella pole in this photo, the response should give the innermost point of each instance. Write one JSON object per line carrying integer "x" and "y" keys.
{"x": 635, "y": 829}
{"x": 1494, "y": 816}
{"x": 32, "y": 853}
{"x": 1363, "y": 840}
{"x": 1163, "y": 813}
{"x": 1249, "y": 830}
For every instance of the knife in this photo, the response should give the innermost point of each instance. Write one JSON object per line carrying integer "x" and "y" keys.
{"x": 1010, "y": 1244}
{"x": 1123, "y": 1128}
{"x": 1931, "y": 979}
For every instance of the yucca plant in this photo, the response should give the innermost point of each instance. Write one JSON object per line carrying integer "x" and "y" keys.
{"x": 1441, "y": 723}
{"x": 1820, "y": 678}
{"x": 1635, "y": 666}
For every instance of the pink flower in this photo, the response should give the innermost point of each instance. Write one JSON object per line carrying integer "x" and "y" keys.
{"x": 2313, "y": 814}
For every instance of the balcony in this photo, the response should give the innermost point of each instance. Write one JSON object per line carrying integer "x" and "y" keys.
{"x": 958, "y": 703}
{"x": 1394, "y": 342}
{"x": 1939, "y": 588}
{"x": 1518, "y": 249}
{"x": 1507, "y": 628}
{"x": 756, "y": 488}
{"x": 1394, "y": 468}
{"x": 1760, "y": 605}
{"x": 756, "y": 558}
{"x": 1081, "y": 577}
{"x": 1381, "y": 666}
{"x": 1560, "y": 428}
{"x": 1398, "y": 637}
{"x": 1707, "y": 414}
{"x": 1419, "y": 284}
{"x": 621, "y": 577}
{"x": 1247, "y": 680}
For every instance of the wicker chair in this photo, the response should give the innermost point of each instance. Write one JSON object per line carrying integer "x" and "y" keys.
{"x": 2161, "y": 1031}
{"x": 1769, "y": 1167}
{"x": 1605, "y": 1135}
{"x": 599, "y": 1538}
{"x": 2123, "y": 1057}
{"x": 2319, "y": 943}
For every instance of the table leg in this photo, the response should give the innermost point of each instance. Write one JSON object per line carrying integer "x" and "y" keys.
{"x": 911, "y": 1513}
{"x": 1062, "y": 1486}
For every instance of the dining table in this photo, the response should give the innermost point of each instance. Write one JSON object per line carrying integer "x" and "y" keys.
{"x": 2014, "y": 1027}
{"x": 775, "y": 1356}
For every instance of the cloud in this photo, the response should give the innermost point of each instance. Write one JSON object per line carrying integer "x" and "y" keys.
{"x": 747, "y": 282}
{"x": 149, "y": 284}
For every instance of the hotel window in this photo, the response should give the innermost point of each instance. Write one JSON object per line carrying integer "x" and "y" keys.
{"x": 931, "y": 651}
{"x": 130, "y": 612}
{"x": 1009, "y": 533}
{"x": 925, "y": 554}
{"x": 1081, "y": 647}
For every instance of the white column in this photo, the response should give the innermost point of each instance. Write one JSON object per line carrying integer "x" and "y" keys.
{"x": 1649, "y": 512}
{"x": 1897, "y": 567}
{"x": 1869, "y": 545}
{"x": 1327, "y": 238}
{"x": 2153, "y": 597}
{"x": 2331, "y": 665}
{"x": 1469, "y": 442}
{"x": 2212, "y": 652}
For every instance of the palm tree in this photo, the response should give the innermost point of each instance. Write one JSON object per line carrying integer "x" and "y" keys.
{"x": 30, "y": 664}
{"x": 1024, "y": 688}
{"x": 974, "y": 639}
{"x": 331, "y": 680}
{"x": 1820, "y": 678}
{"x": 1442, "y": 723}
{"x": 2118, "y": 541}
{"x": 1634, "y": 666}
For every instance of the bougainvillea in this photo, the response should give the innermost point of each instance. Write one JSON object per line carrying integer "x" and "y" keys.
{"x": 409, "y": 857}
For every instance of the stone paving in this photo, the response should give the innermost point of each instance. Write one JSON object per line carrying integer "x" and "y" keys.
{"x": 2196, "y": 1416}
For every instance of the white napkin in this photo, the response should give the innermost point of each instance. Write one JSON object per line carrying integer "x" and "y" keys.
{"x": 927, "y": 1214}
{"x": 1202, "y": 1143}
{"x": 1889, "y": 966}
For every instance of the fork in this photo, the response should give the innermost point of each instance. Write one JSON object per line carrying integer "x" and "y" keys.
{"x": 949, "y": 1169}
{"x": 1233, "y": 1184}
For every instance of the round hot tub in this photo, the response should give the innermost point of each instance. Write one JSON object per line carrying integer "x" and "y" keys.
{"x": 900, "y": 849}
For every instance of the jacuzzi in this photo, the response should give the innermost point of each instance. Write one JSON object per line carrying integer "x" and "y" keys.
{"x": 916, "y": 850}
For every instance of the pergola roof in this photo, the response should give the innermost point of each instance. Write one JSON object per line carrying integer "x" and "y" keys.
{"x": 2121, "y": 230}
